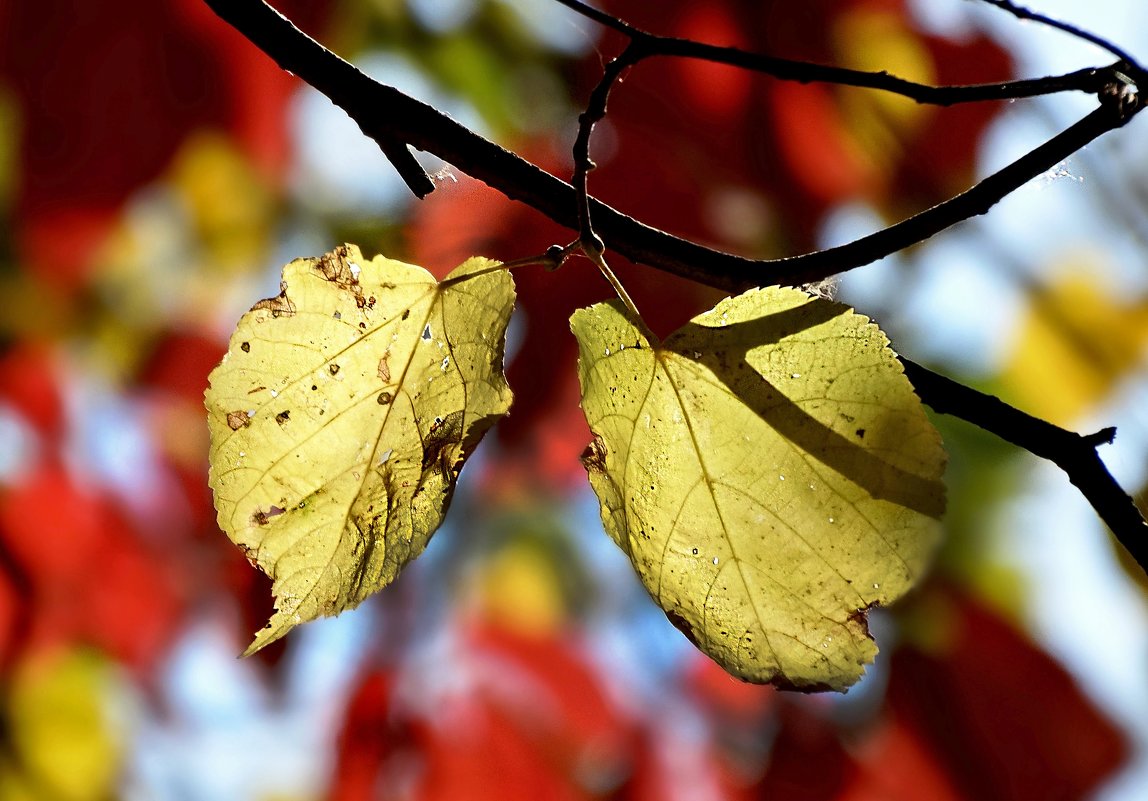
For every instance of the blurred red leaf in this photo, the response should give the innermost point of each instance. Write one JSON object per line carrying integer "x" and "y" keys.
{"x": 728, "y": 700}
{"x": 132, "y": 605}
{"x": 483, "y": 754}
{"x": 180, "y": 362}
{"x": 90, "y": 575}
{"x": 367, "y": 737}
{"x": 808, "y": 761}
{"x": 895, "y": 765}
{"x": 53, "y": 528}
{"x": 551, "y": 686}
{"x": 91, "y": 137}
{"x": 13, "y": 611}
{"x": 31, "y": 386}
{"x": 527, "y": 718}
{"x": 719, "y": 91}
{"x": 1008, "y": 722}
{"x": 940, "y": 160}
{"x": 796, "y": 143}
{"x": 821, "y": 158}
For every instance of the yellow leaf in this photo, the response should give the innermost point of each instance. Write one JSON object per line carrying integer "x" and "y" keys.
{"x": 58, "y": 728}
{"x": 231, "y": 209}
{"x": 875, "y": 40}
{"x": 341, "y": 416}
{"x": 769, "y": 472}
{"x": 1074, "y": 345}
{"x": 520, "y": 588}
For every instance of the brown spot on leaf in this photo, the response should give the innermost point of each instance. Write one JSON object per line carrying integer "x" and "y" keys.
{"x": 384, "y": 368}
{"x": 283, "y": 417}
{"x": 385, "y": 398}
{"x": 251, "y": 553}
{"x": 257, "y": 389}
{"x": 594, "y": 457}
{"x": 333, "y": 368}
{"x": 444, "y": 432}
{"x": 279, "y": 306}
{"x": 237, "y": 420}
{"x": 261, "y": 518}
{"x": 245, "y": 347}
{"x": 682, "y": 625}
{"x": 335, "y": 268}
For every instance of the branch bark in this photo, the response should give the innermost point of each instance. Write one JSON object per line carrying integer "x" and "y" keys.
{"x": 395, "y": 120}
{"x": 386, "y": 115}
{"x": 1076, "y": 455}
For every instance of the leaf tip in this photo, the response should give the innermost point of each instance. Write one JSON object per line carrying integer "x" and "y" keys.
{"x": 275, "y": 629}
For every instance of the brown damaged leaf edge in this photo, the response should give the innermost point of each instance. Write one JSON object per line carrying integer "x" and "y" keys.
{"x": 279, "y": 306}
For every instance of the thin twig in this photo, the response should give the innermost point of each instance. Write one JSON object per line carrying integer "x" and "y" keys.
{"x": 1074, "y": 454}
{"x": 971, "y": 203}
{"x": 601, "y": 17}
{"x": 1020, "y": 12}
{"x": 1090, "y": 81}
{"x": 620, "y": 290}
{"x": 583, "y": 164}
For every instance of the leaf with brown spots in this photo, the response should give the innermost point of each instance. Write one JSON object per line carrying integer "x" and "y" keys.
{"x": 361, "y": 388}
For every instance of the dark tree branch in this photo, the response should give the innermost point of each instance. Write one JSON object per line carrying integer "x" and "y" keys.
{"x": 384, "y": 113}
{"x": 1074, "y": 454}
{"x": 390, "y": 117}
{"x": 1090, "y": 81}
{"x": 595, "y": 111}
{"x": 405, "y": 164}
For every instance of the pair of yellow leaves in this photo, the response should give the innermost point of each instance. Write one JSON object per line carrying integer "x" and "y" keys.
{"x": 767, "y": 468}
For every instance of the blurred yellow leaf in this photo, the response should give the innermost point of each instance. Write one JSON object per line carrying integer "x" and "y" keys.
{"x": 10, "y": 133}
{"x": 1074, "y": 344}
{"x": 770, "y": 473}
{"x": 62, "y": 745}
{"x": 874, "y": 40}
{"x": 180, "y": 253}
{"x": 341, "y": 416}
{"x": 520, "y": 589}
{"x": 232, "y": 212}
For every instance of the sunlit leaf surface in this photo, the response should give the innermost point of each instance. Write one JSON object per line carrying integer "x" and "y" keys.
{"x": 341, "y": 416}
{"x": 770, "y": 473}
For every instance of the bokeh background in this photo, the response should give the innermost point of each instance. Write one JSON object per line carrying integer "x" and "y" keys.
{"x": 155, "y": 172}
